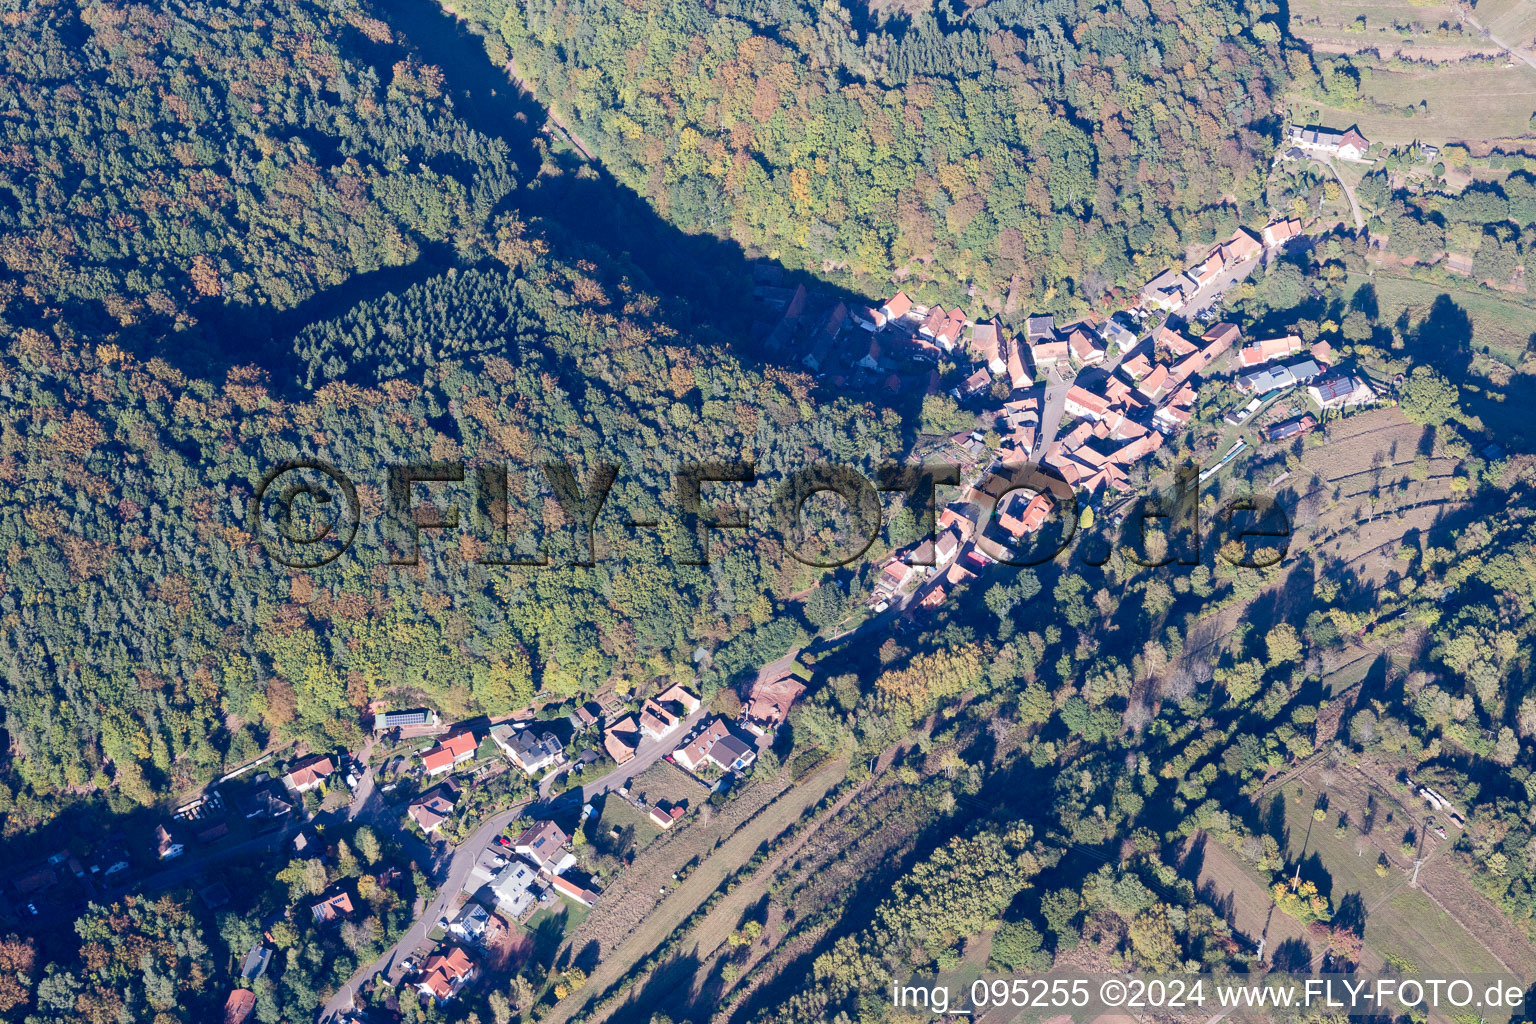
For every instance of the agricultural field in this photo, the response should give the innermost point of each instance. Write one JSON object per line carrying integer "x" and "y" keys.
{"x": 1474, "y": 101}
{"x": 1420, "y": 924}
{"x": 1512, "y": 22}
{"x": 1419, "y": 31}
{"x": 645, "y": 905}
{"x": 1362, "y": 867}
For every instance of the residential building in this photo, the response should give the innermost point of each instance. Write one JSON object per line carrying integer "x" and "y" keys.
{"x": 544, "y": 845}
{"x": 1050, "y": 353}
{"x": 530, "y": 749}
{"x": 514, "y": 889}
{"x": 1085, "y": 404}
{"x": 1218, "y": 338}
{"x": 1168, "y": 291}
{"x": 1039, "y": 329}
{"x": 265, "y": 803}
{"x": 240, "y": 1006}
{"x": 1241, "y": 247}
{"x": 332, "y": 908}
{"x": 1115, "y": 333}
{"x": 656, "y": 721}
{"x": 1156, "y": 380}
{"x": 1291, "y": 428}
{"x": 430, "y": 810}
{"x": 732, "y": 753}
{"x": 621, "y": 738}
{"x": 895, "y": 576}
{"x": 488, "y": 864}
{"x": 1347, "y": 145}
{"x": 1085, "y": 348}
{"x": 405, "y": 718}
{"x": 986, "y": 345}
{"x": 569, "y": 889}
{"x": 166, "y": 846}
{"x": 1171, "y": 341}
{"x": 679, "y": 697}
{"x": 869, "y": 318}
{"x": 1260, "y": 352}
{"x": 946, "y": 547}
{"x": 950, "y": 330}
{"x": 309, "y": 774}
{"x": 445, "y": 975}
{"x": 450, "y": 753}
{"x": 256, "y": 961}
{"x": 975, "y": 384}
{"x": 896, "y": 307}
{"x": 1262, "y": 382}
{"x": 1341, "y": 392}
{"x": 1137, "y": 366}
{"x": 1280, "y": 232}
{"x": 1204, "y": 273}
{"x": 1018, "y": 374}
{"x": 470, "y": 924}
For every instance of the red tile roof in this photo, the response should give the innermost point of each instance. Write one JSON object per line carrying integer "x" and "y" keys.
{"x": 897, "y": 306}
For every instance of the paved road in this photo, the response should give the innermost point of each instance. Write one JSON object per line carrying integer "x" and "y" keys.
{"x": 646, "y": 754}
{"x": 1052, "y": 409}
{"x": 450, "y": 882}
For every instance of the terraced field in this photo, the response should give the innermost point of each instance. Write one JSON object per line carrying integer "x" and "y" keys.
{"x": 1468, "y": 101}
{"x": 1419, "y": 31}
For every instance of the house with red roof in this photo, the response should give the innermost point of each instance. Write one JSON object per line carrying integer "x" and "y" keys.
{"x": 332, "y": 909}
{"x": 1085, "y": 404}
{"x": 310, "y": 774}
{"x": 1171, "y": 341}
{"x": 1085, "y": 348}
{"x": 445, "y": 975}
{"x": 449, "y": 753}
{"x": 240, "y": 1006}
{"x": 1241, "y": 247}
{"x": 1279, "y": 232}
{"x": 1260, "y": 352}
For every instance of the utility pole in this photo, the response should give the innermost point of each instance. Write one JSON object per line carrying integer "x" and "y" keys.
{"x": 1414, "y": 881}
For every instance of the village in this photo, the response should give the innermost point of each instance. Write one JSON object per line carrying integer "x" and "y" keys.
{"x": 514, "y": 853}
{"x": 1089, "y": 401}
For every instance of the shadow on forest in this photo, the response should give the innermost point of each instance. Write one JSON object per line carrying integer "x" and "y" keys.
{"x": 704, "y": 282}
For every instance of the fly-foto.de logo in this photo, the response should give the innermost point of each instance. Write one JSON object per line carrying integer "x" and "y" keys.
{"x": 306, "y": 513}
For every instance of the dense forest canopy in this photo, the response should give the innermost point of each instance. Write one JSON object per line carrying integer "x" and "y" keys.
{"x": 1074, "y": 145}
{"x": 162, "y": 154}
{"x": 149, "y": 639}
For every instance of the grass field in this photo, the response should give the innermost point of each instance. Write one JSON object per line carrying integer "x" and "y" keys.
{"x": 1512, "y": 21}
{"x": 1399, "y": 920}
{"x": 1502, "y": 324}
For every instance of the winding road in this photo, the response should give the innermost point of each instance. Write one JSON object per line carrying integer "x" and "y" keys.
{"x": 449, "y": 870}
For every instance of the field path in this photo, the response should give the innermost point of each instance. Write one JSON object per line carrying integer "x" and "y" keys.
{"x": 1465, "y": 14}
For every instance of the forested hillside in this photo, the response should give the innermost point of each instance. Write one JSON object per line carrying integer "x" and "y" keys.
{"x": 150, "y": 641}
{"x": 175, "y": 176}
{"x": 163, "y": 154}
{"x": 1074, "y": 145}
